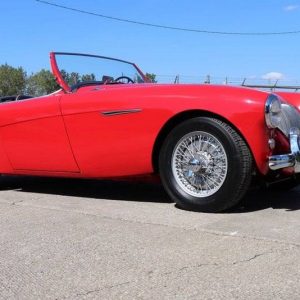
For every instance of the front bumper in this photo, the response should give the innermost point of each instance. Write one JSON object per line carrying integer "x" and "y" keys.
{"x": 292, "y": 159}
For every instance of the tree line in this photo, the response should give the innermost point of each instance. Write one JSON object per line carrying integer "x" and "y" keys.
{"x": 16, "y": 81}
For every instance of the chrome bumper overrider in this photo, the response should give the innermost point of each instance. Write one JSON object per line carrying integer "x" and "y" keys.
{"x": 291, "y": 159}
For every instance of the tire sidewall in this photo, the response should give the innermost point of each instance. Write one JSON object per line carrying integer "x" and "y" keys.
{"x": 234, "y": 166}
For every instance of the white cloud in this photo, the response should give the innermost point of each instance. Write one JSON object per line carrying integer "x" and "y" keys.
{"x": 273, "y": 76}
{"x": 291, "y": 7}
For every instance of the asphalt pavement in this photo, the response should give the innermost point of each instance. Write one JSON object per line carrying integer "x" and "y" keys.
{"x": 87, "y": 239}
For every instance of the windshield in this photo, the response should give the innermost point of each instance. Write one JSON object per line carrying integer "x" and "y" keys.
{"x": 73, "y": 70}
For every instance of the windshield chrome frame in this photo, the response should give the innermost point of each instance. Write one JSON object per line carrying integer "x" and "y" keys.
{"x": 62, "y": 83}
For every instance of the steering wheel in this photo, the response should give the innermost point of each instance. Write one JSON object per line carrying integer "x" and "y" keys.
{"x": 80, "y": 84}
{"x": 129, "y": 80}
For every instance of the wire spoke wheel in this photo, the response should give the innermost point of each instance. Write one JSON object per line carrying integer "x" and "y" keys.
{"x": 205, "y": 165}
{"x": 199, "y": 164}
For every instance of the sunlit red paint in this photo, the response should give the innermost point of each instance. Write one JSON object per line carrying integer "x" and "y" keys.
{"x": 67, "y": 134}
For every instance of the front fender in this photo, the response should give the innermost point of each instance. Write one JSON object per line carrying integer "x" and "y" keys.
{"x": 241, "y": 107}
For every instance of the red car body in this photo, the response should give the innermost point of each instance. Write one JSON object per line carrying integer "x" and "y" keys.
{"x": 117, "y": 130}
{"x": 68, "y": 134}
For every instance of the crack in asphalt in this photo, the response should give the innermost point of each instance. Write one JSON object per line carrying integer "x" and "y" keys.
{"x": 150, "y": 273}
{"x": 222, "y": 264}
{"x": 211, "y": 232}
{"x": 252, "y": 258}
{"x": 103, "y": 288}
{"x": 16, "y": 202}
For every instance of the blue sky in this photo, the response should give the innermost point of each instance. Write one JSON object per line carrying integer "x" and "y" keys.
{"x": 30, "y": 30}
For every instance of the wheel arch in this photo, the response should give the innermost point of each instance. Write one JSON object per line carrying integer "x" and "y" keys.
{"x": 181, "y": 117}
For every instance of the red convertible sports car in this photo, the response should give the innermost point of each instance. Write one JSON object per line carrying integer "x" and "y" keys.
{"x": 206, "y": 142}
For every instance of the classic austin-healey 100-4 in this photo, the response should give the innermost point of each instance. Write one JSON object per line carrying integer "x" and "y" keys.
{"x": 205, "y": 142}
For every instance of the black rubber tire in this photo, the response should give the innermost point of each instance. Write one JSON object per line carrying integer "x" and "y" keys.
{"x": 239, "y": 171}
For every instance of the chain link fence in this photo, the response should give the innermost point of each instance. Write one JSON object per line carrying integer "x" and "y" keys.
{"x": 269, "y": 84}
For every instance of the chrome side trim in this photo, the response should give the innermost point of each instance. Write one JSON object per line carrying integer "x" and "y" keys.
{"x": 292, "y": 159}
{"x": 110, "y": 113}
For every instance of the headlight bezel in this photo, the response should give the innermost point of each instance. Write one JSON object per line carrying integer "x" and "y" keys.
{"x": 273, "y": 111}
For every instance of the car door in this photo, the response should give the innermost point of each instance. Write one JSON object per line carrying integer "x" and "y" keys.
{"x": 106, "y": 127}
{"x": 34, "y": 136}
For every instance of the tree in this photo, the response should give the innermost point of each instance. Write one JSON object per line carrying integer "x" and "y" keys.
{"x": 41, "y": 83}
{"x": 65, "y": 75}
{"x": 12, "y": 80}
{"x": 151, "y": 77}
{"x": 74, "y": 78}
{"x": 88, "y": 77}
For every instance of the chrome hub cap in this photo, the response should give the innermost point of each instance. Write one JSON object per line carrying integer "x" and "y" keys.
{"x": 199, "y": 164}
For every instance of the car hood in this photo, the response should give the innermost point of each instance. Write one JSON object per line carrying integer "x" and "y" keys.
{"x": 291, "y": 98}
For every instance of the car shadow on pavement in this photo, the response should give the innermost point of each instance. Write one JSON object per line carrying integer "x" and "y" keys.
{"x": 134, "y": 190}
{"x": 259, "y": 199}
{"x": 137, "y": 190}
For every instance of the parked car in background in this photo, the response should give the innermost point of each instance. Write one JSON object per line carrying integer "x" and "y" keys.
{"x": 205, "y": 142}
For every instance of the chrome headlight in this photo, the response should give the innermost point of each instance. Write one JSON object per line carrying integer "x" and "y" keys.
{"x": 273, "y": 109}
{"x": 281, "y": 115}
